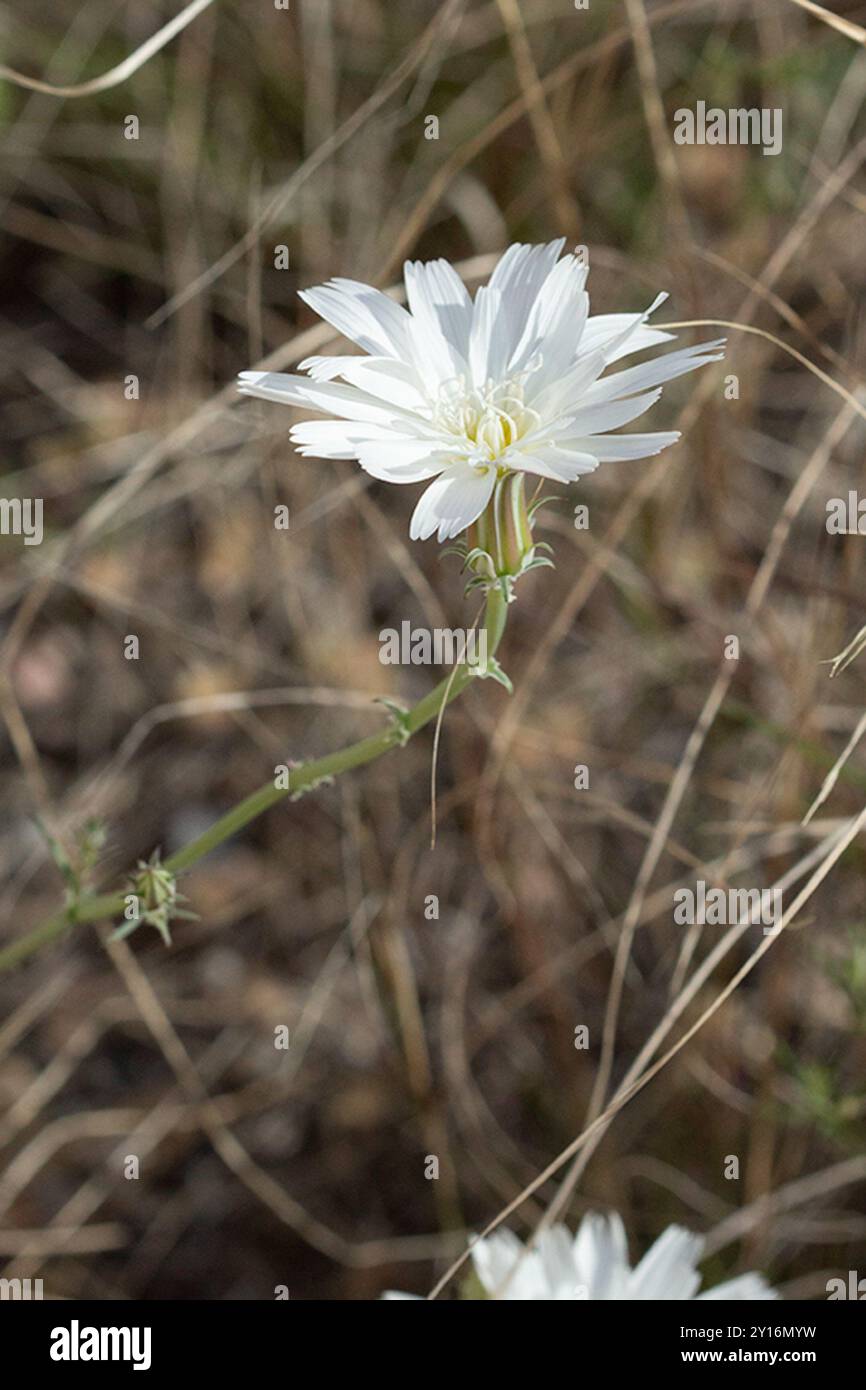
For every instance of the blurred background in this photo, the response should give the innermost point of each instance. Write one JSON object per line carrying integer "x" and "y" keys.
{"x": 147, "y": 229}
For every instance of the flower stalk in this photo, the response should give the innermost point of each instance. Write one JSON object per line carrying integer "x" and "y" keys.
{"x": 97, "y": 907}
{"x": 499, "y": 547}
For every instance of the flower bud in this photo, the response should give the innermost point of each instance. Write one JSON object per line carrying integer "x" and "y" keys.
{"x": 503, "y": 532}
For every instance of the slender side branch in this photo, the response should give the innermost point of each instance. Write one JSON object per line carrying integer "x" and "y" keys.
{"x": 98, "y": 906}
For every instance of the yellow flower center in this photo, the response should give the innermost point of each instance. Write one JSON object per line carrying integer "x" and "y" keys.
{"x": 492, "y": 417}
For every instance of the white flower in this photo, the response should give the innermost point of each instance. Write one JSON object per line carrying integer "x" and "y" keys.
{"x": 594, "y": 1265}
{"x": 466, "y": 392}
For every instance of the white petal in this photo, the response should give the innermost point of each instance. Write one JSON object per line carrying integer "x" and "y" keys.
{"x": 326, "y": 368}
{"x": 383, "y": 377}
{"x": 746, "y": 1288}
{"x": 621, "y": 345}
{"x": 273, "y": 386}
{"x": 602, "y": 330}
{"x": 436, "y": 358}
{"x": 452, "y": 503}
{"x": 658, "y": 370}
{"x": 669, "y": 1268}
{"x": 495, "y": 1258}
{"x": 401, "y": 461}
{"x": 615, "y": 448}
{"x": 437, "y": 295}
{"x": 508, "y": 1271}
{"x": 363, "y": 314}
{"x": 487, "y": 343}
{"x": 556, "y": 1259}
{"x": 518, "y": 278}
{"x": 598, "y": 419}
{"x": 578, "y": 379}
{"x": 335, "y": 439}
{"x": 601, "y": 1256}
{"x": 388, "y": 380}
{"x": 528, "y": 1284}
{"x": 330, "y": 396}
{"x": 555, "y": 324}
{"x": 380, "y": 452}
{"x": 563, "y": 465}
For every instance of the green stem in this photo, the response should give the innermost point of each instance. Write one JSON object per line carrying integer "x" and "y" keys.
{"x": 97, "y": 906}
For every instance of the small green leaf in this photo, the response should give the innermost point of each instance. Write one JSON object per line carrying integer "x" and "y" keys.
{"x": 491, "y": 670}
{"x": 399, "y": 718}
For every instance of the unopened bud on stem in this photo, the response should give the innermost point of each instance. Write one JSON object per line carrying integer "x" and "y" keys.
{"x": 499, "y": 545}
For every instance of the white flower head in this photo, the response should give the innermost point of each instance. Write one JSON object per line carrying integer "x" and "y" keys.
{"x": 594, "y": 1264}
{"x": 467, "y": 393}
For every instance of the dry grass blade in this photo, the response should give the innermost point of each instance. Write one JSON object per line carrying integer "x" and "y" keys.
{"x": 835, "y": 21}
{"x": 123, "y": 70}
{"x": 627, "y": 1093}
